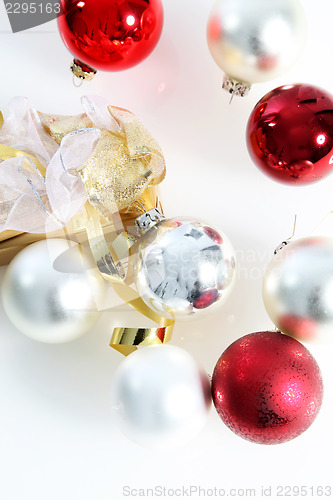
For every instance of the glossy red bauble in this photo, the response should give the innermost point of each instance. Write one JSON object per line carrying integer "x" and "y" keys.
{"x": 110, "y": 35}
{"x": 290, "y": 133}
{"x": 267, "y": 387}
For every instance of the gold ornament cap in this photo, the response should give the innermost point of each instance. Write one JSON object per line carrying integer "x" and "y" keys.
{"x": 82, "y": 70}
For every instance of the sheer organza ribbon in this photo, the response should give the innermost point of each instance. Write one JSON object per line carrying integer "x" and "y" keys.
{"x": 104, "y": 155}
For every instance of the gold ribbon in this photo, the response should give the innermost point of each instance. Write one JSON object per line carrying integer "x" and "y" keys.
{"x": 57, "y": 126}
{"x": 126, "y": 340}
{"x": 7, "y": 152}
{"x": 120, "y": 176}
{"x": 123, "y": 164}
{"x": 108, "y": 260}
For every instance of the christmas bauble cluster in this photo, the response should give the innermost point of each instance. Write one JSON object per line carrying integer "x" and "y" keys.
{"x": 266, "y": 386}
{"x": 290, "y": 130}
{"x": 52, "y": 290}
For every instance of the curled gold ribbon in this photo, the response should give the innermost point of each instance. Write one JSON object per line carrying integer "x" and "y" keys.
{"x": 126, "y": 340}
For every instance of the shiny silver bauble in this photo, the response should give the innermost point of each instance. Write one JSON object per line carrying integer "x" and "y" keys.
{"x": 50, "y": 291}
{"x": 183, "y": 266}
{"x": 160, "y": 397}
{"x": 256, "y": 40}
{"x": 298, "y": 289}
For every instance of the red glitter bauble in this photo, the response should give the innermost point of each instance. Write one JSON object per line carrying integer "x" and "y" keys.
{"x": 290, "y": 133}
{"x": 110, "y": 35}
{"x": 267, "y": 387}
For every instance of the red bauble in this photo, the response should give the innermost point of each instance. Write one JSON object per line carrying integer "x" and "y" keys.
{"x": 267, "y": 387}
{"x": 290, "y": 133}
{"x": 110, "y": 35}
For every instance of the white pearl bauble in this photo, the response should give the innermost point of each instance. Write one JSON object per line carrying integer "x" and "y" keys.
{"x": 50, "y": 291}
{"x": 256, "y": 40}
{"x": 160, "y": 397}
{"x": 298, "y": 289}
{"x": 184, "y": 266}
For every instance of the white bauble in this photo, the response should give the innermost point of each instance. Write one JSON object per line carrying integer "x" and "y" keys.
{"x": 256, "y": 40}
{"x": 160, "y": 397}
{"x": 50, "y": 291}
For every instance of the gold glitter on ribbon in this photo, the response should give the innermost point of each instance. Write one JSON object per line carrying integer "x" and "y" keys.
{"x": 122, "y": 165}
{"x": 57, "y": 126}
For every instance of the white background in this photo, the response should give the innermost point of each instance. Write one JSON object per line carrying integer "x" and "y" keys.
{"x": 57, "y": 440}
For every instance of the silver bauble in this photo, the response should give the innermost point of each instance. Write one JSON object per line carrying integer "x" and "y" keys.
{"x": 160, "y": 397}
{"x": 298, "y": 289}
{"x": 256, "y": 40}
{"x": 50, "y": 291}
{"x": 183, "y": 266}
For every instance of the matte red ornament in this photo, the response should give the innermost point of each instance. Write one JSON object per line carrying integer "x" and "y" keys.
{"x": 110, "y": 35}
{"x": 290, "y": 133}
{"x": 267, "y": 387}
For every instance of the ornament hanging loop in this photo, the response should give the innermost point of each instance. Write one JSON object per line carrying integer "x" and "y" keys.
{"x": 77, "y": 82}
{"x": 285, "y": 242}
